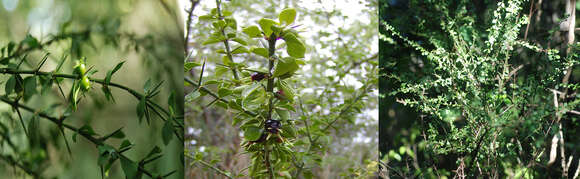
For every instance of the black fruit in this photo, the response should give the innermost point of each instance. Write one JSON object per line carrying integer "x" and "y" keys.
{"x": 272, "y": 126}
{"x": 258, "y": 76}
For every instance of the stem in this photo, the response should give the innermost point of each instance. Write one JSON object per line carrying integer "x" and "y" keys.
{"x": 13, "y": 162}
{"x": 226, "y": 42}
{"x": 270, "y": 90}
{"x": 213, "y": 94}
{"x": 267, "y": 158}
{"x": 58, "y": 121}
{"x": 188, "y": 24}
{"x": 136, "y": 94}
{"x": 204, "y": 163}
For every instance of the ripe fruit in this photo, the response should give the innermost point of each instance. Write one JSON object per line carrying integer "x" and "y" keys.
{"x": 272, "y": 126}
{"x": 280, "y": 95}
{"x": 85, "y": 83}
{"x": 258, "y": 76}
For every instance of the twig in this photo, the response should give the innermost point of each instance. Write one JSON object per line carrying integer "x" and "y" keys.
{"x": 12, "y": 162}
{"x": 136, "y": 94}
{"x": 58, "y": 121}
{"x": 213, "y": 94}
{"x": 226, "y": 42}
{"x": 211, "y": 167}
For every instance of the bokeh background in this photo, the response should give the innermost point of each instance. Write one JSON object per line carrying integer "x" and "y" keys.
{"x": 147, "y": 34}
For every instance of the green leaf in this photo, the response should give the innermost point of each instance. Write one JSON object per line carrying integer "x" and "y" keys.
{"x": 240, "y": 49}
{"x": 31, "y": 41}
{"x": 155, "y": 150}
{"x": 189, "y": 65}
{"x": 172, "y": 103}
{"x": 129, "y": 167}
{"x": 167, "y": 132}
{"x": 29, "y": 87}
{"x": 231, "y": 22}
{"x": 214, "y": 38}
{"x": 126, "y": 143}
{"x": 284, "y": 114}
{"x": 288, "y": 131}
{"x": 192, "y": 96}
{"x": 250, "y": 89}
{"x": 226, "y": 13}
{"x": 284, "y": 66}
{"x": 116, "y": 134}
{"x": 240, "y": 41}
{"x": 141, "y": 108}
{"x": 252, "y": 133}
{"x": 206, "y": 17}
{"x": 260, "y": 51}
{"x": 266, "y": 25}
{"x": 223, "y": 92}
{"x": 111, "y": 72}
{"x": 287, "y": 16}
{"x": 295, "y": 47}
{"x": 198, "y": 156}
{"x": 10, "y": 84}
{"x": 252, "y": 31}
{"x": 288, "y": 91}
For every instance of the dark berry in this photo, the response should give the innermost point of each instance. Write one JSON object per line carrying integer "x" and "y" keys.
{"x": 258, "y": 76}
{"x": 272, "y": 126}
{"x": 280, "y": 95}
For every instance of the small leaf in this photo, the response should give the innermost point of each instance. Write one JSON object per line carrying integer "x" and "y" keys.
{"x": 284, "y": 114}
{"x": 252, "y": 31}
{"x": 118, "y": 134}
{"x": 240, "y": 49}
{"x": 266, "y": 25}
{"x": 288, "y": 131}
{"x": 288, "y": 91}
{"x": 167, "y": 132}
{"x": 223, "y": 92}
{"x": 287, "y": 16}
{"x": 285, "y": 66}
{"x": 252, "y": 133}
{"x": 155, "y": 150}
{"x": 129, "y": 167}
{"x": 29, "y": 87}
{"x": 189, "y": 65}
{"x": 125, "y": 144}
{"x": 141, "y": 108}
{"x": 226, "y": 13}
{"x": 240, "y": 41}
{"x": 260, "y": 51}
{"x": 192, "y": 96}
{"x": 10, "y": 84}
{"x": 295, "y": 48}
{"x": 206, "y": 17}
{"x": 215, "y": 38}
{"x": 250, "y": 89}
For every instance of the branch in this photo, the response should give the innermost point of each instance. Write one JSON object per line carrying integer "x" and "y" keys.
{"x": 210, "y": 166}
{"x": 58, "y": 121}
{"x": 12, "y": 162}
{"x": 226, "y": 42}
{"x": 188, "y": 23}
{"x": 136, "y": 94}
{"x": 213, "y": 94}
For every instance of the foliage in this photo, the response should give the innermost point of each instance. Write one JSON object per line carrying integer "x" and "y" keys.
{"x": 287, "y": 131}
{"x": 483, "y": 95}
{"x": 53, "y": 93}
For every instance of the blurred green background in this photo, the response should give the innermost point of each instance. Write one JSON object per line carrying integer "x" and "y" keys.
{"x": 147, "y": 34}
